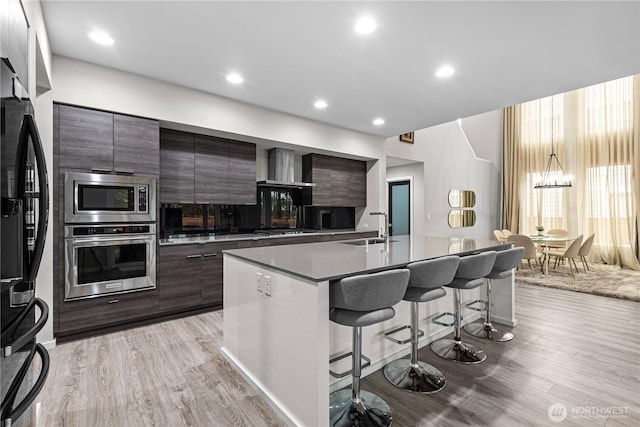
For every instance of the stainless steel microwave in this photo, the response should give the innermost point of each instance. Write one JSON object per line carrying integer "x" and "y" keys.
{"x": 100, "y": 198}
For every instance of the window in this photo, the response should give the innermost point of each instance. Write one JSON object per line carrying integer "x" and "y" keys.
{"x": 608, "y": 107}
{"x": 609, "y": 192}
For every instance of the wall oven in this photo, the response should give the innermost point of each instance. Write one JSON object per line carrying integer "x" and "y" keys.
{"x": 103, "y": 259}
{"x": 102, "y": 198}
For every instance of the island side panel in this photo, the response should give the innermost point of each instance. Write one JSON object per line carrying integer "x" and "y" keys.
{"x": 279, "y": 342}
{"x": 504, "y": 309}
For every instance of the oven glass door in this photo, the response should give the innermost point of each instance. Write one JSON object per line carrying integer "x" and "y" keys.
{"x": 116, "y": 261}
{"x": 104, "y": 265}
{"x": 118, "y": 198}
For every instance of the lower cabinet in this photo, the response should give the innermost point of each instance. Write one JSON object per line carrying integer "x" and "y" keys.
{"x": 82, "y": 316}
{"x": 190, "y": 276}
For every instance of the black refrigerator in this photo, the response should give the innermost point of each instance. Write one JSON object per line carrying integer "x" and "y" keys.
{"x": 24, "y": 363}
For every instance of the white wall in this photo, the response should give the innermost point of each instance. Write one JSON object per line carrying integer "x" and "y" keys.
{"x": 451, "y": 163}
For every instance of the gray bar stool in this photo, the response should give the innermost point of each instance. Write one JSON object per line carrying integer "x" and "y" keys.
{"x": 506, "y": 261}
{"x": 471, "y": 273}
{"x": 425, "y": 284}
{"x": 359, "y": 301}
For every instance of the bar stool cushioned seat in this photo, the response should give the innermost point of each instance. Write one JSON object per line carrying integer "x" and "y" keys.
{"x": 506, "y": 261}
{"x": 359, "y": 301}
{"x": 470, "y": 274}
{"x": 425, "y": 284}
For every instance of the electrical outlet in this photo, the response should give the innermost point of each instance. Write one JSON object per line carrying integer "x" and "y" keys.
{"x": 259, "y": 282}
{"x": 267, "y": 285}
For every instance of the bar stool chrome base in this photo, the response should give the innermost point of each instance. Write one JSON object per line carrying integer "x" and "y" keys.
{"x": 419, "y": 378}
{"x": 458, "y": 351}
{"x": 370, "y": 411}
{"x": 487, "y": 331}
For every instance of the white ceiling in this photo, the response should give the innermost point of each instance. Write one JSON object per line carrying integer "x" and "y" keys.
{"x": 292, "y": 53}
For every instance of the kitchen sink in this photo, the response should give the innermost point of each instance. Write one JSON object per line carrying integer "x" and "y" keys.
{"x": 363, "y": 242}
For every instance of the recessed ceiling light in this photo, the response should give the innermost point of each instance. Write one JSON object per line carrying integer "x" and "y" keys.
{"x": 101, "y": 38}
{"x": 234, "y": 78}
{"x": 320, "y": 104}
{"x": 445, "y": 71}
{"x": 365, "y": 25}
{"x": 378, "y": 122}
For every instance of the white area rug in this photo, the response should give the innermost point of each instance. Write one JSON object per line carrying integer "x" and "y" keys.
{"x": 602, "y": 279}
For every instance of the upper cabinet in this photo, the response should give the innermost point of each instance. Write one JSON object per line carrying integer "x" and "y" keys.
{"x": 136, "y": 145}
{"x": 206, "y": 170}
{"x": 339, "y": 181}
{"x": 13, "y": 39}
{"x": 176, "y": 167}
{"x": 101, "y": 141}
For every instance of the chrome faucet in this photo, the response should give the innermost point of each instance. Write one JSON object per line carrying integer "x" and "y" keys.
{"x": 385, "y": 236}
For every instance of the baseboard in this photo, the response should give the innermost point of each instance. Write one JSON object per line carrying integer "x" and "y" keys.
{"x": 49, "y": 345}
{"x": 504, "y": 321}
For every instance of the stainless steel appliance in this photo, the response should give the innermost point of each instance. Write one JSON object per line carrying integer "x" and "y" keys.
{"x": 100, "y": 198}
{"x": 25, "y": 201}
{"x": 103, "y": 259}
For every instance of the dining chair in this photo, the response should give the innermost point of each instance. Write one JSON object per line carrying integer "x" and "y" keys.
{"x": 584, "y": 251}
{"x": 530, "y": 251}
{"x": 506, "y": 232}
{"x": 569, "y": 254}
{"x": 557, "y": 232}
{"x": 500, "y": 237}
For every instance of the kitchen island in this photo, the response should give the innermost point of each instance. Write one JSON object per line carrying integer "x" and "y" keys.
{"x": 277, "y": 331}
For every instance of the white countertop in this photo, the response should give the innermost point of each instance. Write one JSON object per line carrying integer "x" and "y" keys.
{"x": 333, "y": 260}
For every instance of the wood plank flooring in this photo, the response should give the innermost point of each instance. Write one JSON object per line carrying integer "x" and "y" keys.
{"x": 579, "y": 350}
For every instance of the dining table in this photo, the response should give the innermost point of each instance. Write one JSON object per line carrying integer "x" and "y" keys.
{"x": 543, "y": 243}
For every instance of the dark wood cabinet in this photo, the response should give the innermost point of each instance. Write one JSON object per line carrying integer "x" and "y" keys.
{"x": 339, "y": 181}
{"x": 93, "y": 140}
{"x": 178, "y": 277}
{"x": 190, "y": 276}
{"x": 177, "y": 167}
{"x": 108, "y": 311}
{"x": 136, "y": 147}
{"x": 86, "y": 138}
{"x": 357, "y": 179}
{"x": 206, "y": 170}
{"x": 242, "y": 173}
{"x": 211, "y": 170}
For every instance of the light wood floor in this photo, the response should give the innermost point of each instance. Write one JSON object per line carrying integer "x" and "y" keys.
{"x": 580, "y": 350}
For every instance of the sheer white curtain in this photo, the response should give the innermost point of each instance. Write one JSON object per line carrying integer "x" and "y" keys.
{"x": 607, "y": 162}
{"x": 596, "y": 133}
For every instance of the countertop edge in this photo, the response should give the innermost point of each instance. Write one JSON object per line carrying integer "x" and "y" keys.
{"x": 258, "y": 237}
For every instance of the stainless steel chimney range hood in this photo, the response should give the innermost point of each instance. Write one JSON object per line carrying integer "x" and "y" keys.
{"x": 280, "y": 170}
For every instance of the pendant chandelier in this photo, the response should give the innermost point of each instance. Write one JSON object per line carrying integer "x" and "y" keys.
{"x": 554, "y": 175}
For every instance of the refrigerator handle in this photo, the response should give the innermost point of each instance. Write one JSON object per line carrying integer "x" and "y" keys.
{"x": 11, "y": 411}
{"x": 12, "y": 344}
{"x": 30, "y": 130}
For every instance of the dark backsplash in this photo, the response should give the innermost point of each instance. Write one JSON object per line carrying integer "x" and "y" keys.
{"x": 276, "y": 209}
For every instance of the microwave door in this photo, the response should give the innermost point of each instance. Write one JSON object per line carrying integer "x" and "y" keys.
{"x": 32, "y": 195}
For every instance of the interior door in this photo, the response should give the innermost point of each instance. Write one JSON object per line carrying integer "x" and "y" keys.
{"x": 399, "y": 208}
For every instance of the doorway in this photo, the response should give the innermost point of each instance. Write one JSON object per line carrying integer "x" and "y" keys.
{"x": 399, "y": 208}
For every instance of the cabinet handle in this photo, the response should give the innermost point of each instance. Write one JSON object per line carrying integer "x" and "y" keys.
{"x": 126, "y": 173}
{"x": 193, "y": 256}
{"x": 209, "y": 255}
{"x": 114, "y": 301}
{"x": 101, "y": 171}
